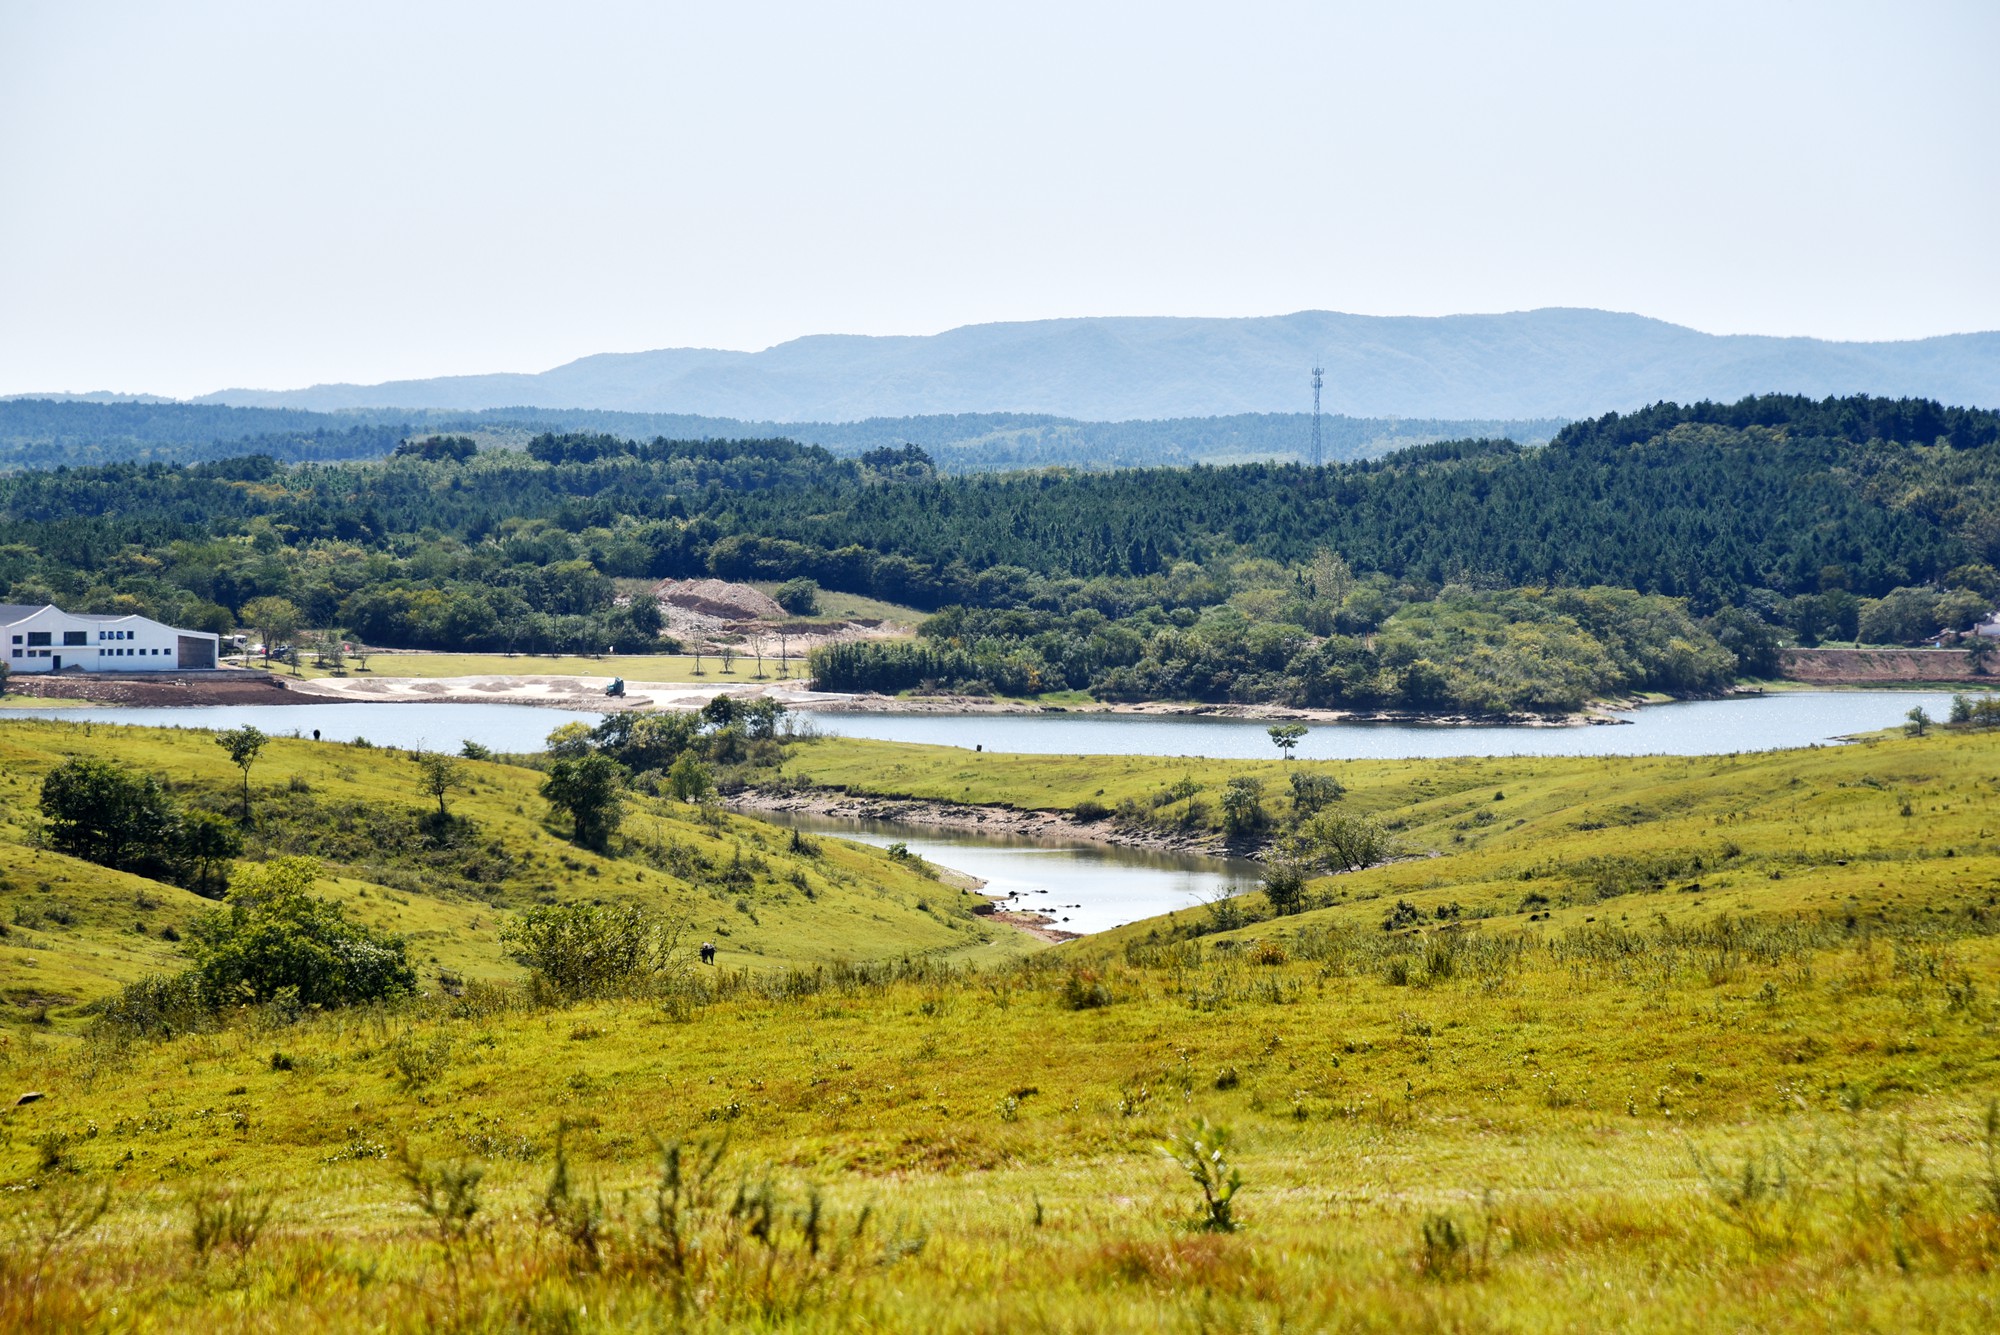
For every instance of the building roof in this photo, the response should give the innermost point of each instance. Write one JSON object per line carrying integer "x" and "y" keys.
{"x": 13, "y": 612}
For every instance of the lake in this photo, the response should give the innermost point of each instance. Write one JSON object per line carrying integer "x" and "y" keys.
{"x": 1694, "y": 727}
{"x": 1084, "y": 887}
{"x": 1089, "y": 887}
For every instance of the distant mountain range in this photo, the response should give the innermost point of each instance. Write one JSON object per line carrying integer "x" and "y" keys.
{"x": 1555, "y": 363}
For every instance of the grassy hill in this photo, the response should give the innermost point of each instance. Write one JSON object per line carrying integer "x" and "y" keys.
{"x": 75, "y": 931}
{"x": 1740, "y": 1077}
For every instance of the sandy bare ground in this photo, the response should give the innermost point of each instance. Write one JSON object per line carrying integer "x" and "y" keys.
{"x": 1865, "y": 667}
{"x": 560, "y": 692}
{"x": 580, "y": 692}
{"x": 176, "y": 688}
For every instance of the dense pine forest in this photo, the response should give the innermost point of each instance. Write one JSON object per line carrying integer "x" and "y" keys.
{"x": 1671, "y": 548}
{"x": 49, "y": 433}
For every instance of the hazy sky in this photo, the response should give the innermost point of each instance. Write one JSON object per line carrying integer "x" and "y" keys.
{"x": 197, "y": 195}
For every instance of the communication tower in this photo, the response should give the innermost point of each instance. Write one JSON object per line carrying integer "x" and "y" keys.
{"x": 1317, "y": 456}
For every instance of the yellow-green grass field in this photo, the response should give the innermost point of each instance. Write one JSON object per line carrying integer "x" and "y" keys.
{"x": 726, "y": 877}
{"x": 1748, "y": 1094}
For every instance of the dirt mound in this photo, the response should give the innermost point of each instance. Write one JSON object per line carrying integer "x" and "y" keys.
{"x": 719, "y": 598}
{"x": 162, "y": 689}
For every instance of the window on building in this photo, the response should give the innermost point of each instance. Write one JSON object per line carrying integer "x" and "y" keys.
{"x": 76, "y": 637}
{"x": 38, "y": 637}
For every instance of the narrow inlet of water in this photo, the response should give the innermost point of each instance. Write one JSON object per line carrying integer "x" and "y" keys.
{"x": 1081, "y": 887}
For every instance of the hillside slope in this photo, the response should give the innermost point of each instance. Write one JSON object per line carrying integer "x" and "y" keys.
{"x": 1544, "y": 363}
{"x": 74, "y": 932}
{"x": 1752, "y": 1094}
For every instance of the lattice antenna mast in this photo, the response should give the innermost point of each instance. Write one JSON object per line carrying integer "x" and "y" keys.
{"x": 1319, "y": 457}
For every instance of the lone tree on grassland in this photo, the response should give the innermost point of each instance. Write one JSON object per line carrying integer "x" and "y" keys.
{"x": 439, "y": 774}
{"x": 1336, "y": 841}
{"x": 586, "y": 787}
{"x": 243, "y": 744}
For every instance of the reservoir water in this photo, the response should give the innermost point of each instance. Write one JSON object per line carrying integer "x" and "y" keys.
{"x": 1087, "y": 887}
{"x": 1695, "y": 727}
{"x": 1081, "y": 887}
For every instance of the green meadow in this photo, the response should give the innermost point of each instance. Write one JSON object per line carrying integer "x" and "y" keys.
{"x": 1649, "y": 1044}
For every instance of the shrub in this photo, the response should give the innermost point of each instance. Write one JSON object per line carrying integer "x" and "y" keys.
{"x": 99, "y": 812}
{"x": 690, "y": 779}
{"x": 1312, "y": 790}
{"x": 1402, "y": 914}
{"x": 1338, "y": 841}
{"x": 1243, "y": 805}
{"x": 229, "y": 1220}
{"x": 275, "y": 939}
{"x": 419, "y": 1062}
{"x": 799, "y": 596}
{"x": 1967, "y": 712}
{"x": 104, "y": 814}
{"x": 1083, "y": 990}
{"x": 1202, "y": 1152}
{"x": 157, "y": 1007}
{"x": 1090, "y": 810}
{"x": 1445, "y": 1251}
{"x": 1284, "y": 885}
{"x": 583, "y": 950}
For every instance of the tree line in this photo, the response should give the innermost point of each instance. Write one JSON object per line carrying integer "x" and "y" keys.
{"x": 1804, "y": 514}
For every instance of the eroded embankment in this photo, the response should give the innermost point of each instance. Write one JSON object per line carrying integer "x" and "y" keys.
{"x": 1878, "y": 667}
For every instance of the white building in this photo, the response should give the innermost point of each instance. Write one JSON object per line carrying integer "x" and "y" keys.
{"x": 48, "y": 639}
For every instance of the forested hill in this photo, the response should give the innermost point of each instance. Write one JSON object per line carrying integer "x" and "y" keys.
{"x": 1748, "y": 504}
{"x": 1541, "y": 363}
{"x": 53, "y": 433}
{"x": 46, "y": 433}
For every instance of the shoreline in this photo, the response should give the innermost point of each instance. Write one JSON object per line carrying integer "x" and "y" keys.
{"x": 586, "y": 695}
{"x": 1038, "y": 825}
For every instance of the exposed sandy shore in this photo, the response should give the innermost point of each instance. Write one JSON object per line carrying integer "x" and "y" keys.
{"x": 560, "y": 692}
{"x": 587, "y": 693}
{"x": 578, "y": 692}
